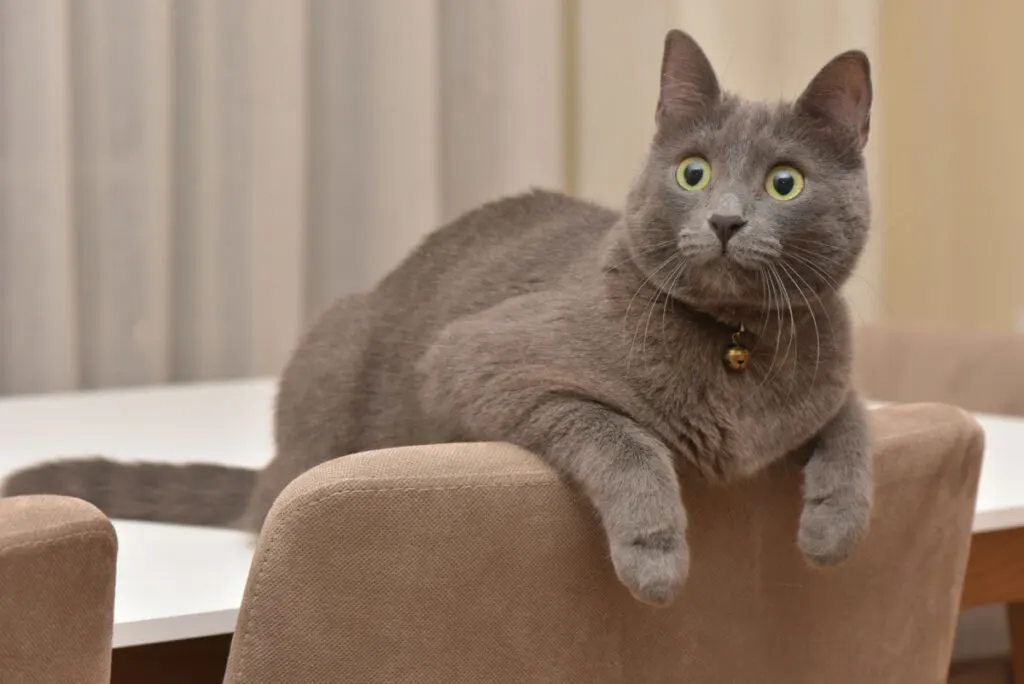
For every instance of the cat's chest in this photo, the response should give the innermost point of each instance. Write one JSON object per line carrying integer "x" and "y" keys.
{"x": 730, "y": 421}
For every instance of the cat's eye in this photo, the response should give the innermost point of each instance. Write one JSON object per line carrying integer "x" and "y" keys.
{"x": 693, "y": 173}
{"x": 784, "y": 182}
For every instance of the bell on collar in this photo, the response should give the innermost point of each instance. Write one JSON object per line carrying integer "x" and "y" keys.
{"x": 737, "y": 357}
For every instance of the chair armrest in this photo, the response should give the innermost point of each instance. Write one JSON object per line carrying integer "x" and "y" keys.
{"x": 474, "y": 563}
{"x": 57, "y": 570}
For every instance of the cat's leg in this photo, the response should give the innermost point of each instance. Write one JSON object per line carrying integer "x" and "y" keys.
{"x": 838, "y": 488}
{"x": 506, "y": 375}
{"x": 629, "y": 477}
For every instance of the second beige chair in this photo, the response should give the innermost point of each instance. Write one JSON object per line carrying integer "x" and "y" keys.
{"x": 57, "y": 568}
{"x": 978, "y": 371}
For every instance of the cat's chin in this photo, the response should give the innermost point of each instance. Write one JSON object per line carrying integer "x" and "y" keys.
{"x": 720, "y": 282}
{"x": 726, "y": 272}
{"x": 730, "y": 263}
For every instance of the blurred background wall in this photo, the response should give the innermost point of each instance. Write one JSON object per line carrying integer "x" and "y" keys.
{"x": 184, "y": 183}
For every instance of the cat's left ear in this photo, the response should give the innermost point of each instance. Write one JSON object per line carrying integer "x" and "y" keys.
{"x": 689, "y": 86}
{"x": 841, "y": 94}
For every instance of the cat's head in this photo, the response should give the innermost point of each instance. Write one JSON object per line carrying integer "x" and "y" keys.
{"x": 752, "y": 203}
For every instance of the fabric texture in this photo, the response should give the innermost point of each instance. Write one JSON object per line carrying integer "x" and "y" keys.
{"x": 57, "y": 569}
{"x": 474, "y": 563}
{"x": 913, "y": 363}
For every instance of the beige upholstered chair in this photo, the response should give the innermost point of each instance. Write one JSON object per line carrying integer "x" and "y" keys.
{"x": 474, "y": 563}
{"x": 57, "y": 569}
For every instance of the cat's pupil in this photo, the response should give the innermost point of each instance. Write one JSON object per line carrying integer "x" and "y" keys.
{"x": 693, "y": 173}
{"x": 783, "y": 182}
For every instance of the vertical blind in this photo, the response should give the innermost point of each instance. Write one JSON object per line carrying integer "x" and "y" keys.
{"x": 184, "y": 183}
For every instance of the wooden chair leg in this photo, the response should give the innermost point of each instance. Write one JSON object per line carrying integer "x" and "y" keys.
{"x": 1015, "y": 612}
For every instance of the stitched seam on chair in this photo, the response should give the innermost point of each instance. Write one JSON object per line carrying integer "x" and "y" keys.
{"x": 52, "y": 541}
{"x": 271, "y": 543}
{"x": 506, "y": 485}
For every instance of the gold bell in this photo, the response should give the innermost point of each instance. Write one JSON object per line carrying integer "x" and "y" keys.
{"x": 737, "y": 356}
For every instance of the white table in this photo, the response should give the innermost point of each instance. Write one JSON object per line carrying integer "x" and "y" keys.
{"x": 173, "y": 581}
{"x": 176, "y": 582}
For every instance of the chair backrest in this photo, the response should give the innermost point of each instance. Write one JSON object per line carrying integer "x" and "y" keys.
{"x": 474, "y": 563}
{"x": 980, "y": 371}
{"x": 57, "y": 568}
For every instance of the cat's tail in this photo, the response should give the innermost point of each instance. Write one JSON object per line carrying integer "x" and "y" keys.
{"x": 190, "y": 494}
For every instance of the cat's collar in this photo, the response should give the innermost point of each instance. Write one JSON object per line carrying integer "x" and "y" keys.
{"x": 737, "y": 354}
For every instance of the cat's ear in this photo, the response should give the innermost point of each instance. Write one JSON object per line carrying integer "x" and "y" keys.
{"x": 688, "y": 83}
{"x": 841, "y": 94}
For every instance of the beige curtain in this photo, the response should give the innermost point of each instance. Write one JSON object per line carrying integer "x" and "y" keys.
{"x": 183, "y": 183}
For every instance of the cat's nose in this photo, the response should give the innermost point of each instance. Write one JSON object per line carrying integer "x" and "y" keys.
{"x": 726, "y": 225}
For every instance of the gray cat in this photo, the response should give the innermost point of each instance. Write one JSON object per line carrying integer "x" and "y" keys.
{"x": 699, "y": 333}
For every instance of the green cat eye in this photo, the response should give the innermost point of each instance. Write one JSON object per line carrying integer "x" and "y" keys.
{"x": 693, "y": 173}
{"x": 784, "y": 182}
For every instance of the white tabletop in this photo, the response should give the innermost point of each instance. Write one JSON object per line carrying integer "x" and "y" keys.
{"x": 173, "y": 581}
{"x": 1001, "y": 490}
{"x": 177, "y": 582}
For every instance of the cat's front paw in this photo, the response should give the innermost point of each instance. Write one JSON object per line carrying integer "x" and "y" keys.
{"x": 653, "y": 567}
{"x": 831, "y": 526}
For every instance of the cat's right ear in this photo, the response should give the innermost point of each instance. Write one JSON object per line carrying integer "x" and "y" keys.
{"x": 841, "y": 94}
{"x": 689, "y": 86}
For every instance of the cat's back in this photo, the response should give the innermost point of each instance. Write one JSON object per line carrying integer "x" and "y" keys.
{"x": 519, "y": 244}
{"x": 527, "y": 243}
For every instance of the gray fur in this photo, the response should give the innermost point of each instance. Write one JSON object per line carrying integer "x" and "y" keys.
{"x": 596, "y": 339}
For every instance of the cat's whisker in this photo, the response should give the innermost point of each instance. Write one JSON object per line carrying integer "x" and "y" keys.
{"x": 794, "y": 249}
{"x": 768, "y": 297}
{"x": 647, "y": 326}
{"x": 768, "y": 287}
{"x": 829, "y": 281}
{"x": 808, "y": 248}
{"x": 764, "y": 255}
{"x": 636, "y": 331}
{"x": 814, "y": 293}
{"x": 673, "y": 280}
{"x": 650, "y": 249}
{"x": 666, "y": 293}
{"x": 792, "y": 319}
{"x": 817, "y": 337}
{"x": 815, "y": 256}
{"x": 778, "y": 340}
{"x": 854, "y": 276}
{"x": 807, "y": 240}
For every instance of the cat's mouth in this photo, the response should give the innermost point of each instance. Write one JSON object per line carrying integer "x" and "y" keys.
{"x": 723, "y": 256}
{"x": 728, "y": 259}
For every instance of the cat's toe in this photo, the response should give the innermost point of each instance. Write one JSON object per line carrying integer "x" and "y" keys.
{"x": 653, "y": 572}
{"x": 830, "y": 528}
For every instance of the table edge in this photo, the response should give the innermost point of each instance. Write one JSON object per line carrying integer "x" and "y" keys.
{"x": 174, "y": 628}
